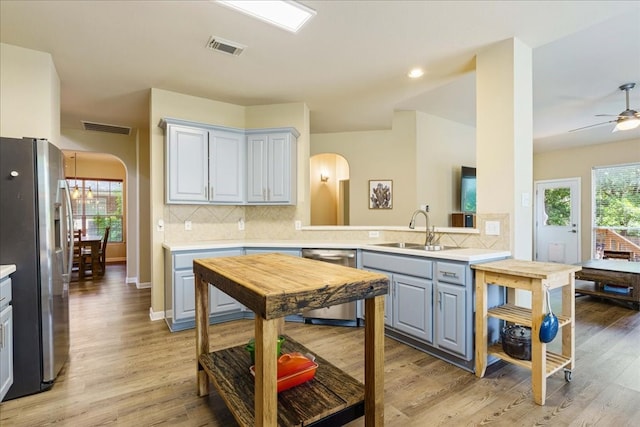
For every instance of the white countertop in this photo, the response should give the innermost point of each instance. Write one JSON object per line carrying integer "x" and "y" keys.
{"x": 6, "y": 270}
{"x": 461, "y": 254}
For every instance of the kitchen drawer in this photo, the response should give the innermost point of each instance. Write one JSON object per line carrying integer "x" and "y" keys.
{"x": 5, "y": 292}
{"x": 412, "y": 266}
{"x": 185, "y": 259}
{"x": 451, "y": 273}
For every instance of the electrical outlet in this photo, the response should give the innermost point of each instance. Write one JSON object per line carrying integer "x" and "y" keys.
{"x": 374, "y": 234}
{"x": 492, "y": 228}
{"x": 298, "y": 225}
{"x": 160, "y": 226}
{"x": 241, "y": 224}
{"x": 187, "y": 225}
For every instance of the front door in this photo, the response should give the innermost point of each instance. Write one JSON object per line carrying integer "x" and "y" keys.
{"x": 557, "y": 226}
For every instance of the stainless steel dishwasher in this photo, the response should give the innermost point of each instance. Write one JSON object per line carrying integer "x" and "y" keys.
{"x": 341, "y": 313}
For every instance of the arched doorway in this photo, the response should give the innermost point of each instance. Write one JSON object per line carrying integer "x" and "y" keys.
{"x": 329, "y": 189}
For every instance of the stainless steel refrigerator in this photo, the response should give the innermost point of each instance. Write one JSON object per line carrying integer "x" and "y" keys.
{"x": 36, "y": 235}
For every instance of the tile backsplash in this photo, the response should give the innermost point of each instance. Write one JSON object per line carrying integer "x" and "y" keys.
{"x": 278, "y": 223}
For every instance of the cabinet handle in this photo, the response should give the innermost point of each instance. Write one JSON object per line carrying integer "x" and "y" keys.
{"x": 3, "y": 298}
{"x": 1, "y": 335}
{"x": 211, "y": 193}
{"x": 206, "y": 192}
{"x": 449, "y": 274}
{"x": 268, "y": 194}
{"x": 440, "y": 301}
{"x": 264, "y": 194}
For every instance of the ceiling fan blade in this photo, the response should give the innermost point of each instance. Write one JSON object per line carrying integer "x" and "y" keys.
{"x": 607, "y": 115}
{"x": 590, "y": 126}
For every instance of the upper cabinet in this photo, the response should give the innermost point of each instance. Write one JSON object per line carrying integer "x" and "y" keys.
{"x": 208, "y": 164}
{"x": 271, "y": 167}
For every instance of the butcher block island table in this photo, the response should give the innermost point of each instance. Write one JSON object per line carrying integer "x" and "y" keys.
{"x": 273, "y": 286}
{"x": 535, "y": 277}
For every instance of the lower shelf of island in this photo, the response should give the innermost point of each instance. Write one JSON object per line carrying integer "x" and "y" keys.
{"x": 332, "y": 398}
{"x": 555, "y": 361}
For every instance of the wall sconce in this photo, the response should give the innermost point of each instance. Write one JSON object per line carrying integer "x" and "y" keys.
{"x": 324, "y": 177}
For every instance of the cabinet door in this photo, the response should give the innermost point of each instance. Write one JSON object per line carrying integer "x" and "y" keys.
{"x": 6, "y": 350}
{"x": 184, "y": 301}
{"x": 257, "y": 168}
{"x": 279, "y": 168}
{"x": 226, "y": 167}
{"x": 451, "y": 330}
{"x": 388, "y": 299}
{"x": 412, "y": 306}
{"x": 187, "y": 165}
{"x": 219, "y": 302}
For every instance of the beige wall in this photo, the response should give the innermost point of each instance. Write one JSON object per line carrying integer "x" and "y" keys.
{"x": 422, "y": 154}
{"x": 377, "y": 155}
{"x": 443, "y": 147}
{"x": 323, "y": 199}
{"x": 30, "y": 89}
{"x": 578, "y": 163}
{"x": 219, "y": 222}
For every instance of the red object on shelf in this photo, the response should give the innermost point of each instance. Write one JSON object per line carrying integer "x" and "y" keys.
{"x": 293, "y": 369}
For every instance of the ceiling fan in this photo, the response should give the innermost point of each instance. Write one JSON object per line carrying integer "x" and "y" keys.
{"x": 628, "y": 119}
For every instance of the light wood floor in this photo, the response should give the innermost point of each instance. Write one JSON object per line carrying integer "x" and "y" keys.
{"x": 126, "y": 370}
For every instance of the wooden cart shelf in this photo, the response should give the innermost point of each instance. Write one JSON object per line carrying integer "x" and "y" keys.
{"x": 535, "y": 277}
{"x": 520, "y": 315}
{"x": 332, "y": 397}
{"x": 554, "y": 361}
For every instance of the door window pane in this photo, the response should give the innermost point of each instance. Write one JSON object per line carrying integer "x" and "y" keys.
{"x": 557, "y": 206}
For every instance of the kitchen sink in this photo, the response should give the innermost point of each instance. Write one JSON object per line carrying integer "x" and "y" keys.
{"x": 419, "y": 246}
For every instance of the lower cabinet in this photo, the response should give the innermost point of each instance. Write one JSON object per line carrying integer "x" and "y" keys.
{"x": 6, "y": 337}
{"x": 180, "y": 299}
{"x": 409, "y": 305}
{"x": 430, "y": 304}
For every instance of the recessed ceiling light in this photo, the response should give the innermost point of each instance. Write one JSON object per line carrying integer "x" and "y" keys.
{"x": 289, "y": 15}
{"x": 415, "y": 73}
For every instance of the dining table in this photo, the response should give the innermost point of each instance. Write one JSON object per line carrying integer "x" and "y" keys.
{"x": 92, "y": 242}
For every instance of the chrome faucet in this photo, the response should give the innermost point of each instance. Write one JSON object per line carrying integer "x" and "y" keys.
{"x": 430, "y": 235}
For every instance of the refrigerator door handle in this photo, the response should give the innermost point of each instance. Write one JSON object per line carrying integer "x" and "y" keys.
{"x": 68, "y": 233}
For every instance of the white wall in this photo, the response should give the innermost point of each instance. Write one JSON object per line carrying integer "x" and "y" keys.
{"x": 29, "y": 94}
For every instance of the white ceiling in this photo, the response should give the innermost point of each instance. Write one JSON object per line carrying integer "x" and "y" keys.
{"x": 348, "y": 64}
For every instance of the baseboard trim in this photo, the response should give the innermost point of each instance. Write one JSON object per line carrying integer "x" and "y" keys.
{"x": 131, "y": 280}
{"x": 143, "y": 285}
{"x": 155, "y": 315}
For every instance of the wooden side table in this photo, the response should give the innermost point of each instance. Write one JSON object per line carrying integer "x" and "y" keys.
{"x": 273, "y": 286}
{"x": 535, "y": 277}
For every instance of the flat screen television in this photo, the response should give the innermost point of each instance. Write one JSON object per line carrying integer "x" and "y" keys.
{"x": 468, "y": 189}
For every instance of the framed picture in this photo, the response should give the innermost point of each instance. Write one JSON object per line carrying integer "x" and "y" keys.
{"x": 380, "y": 194}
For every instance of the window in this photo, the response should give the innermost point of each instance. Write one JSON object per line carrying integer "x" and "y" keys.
{"x": 98, "y": 205}
{"x": 616, "y": 195}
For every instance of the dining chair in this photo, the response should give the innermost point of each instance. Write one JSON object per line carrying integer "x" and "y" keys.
{"x": 78, "y": 260}
{"x": 102, "y": 254}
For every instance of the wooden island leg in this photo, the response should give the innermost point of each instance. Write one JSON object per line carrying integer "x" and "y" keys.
{"x": 202, "y": 332}
{"x": 266, "y": 388}
{"x": 538, "y": 348}
{"x": 481, "y": 325}
{"x": 374, "y": 361}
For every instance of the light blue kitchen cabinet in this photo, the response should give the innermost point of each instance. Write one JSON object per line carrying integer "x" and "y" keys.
{"x": 187, "y": 161}
{"x": 180, "y": 302}
{"x": 285, "y": 251}
{"x": 454, "y": 312}
{"x": 204, "y": 164}
{"x": 409, "y": 304}
{"x": 412, "y": 306}
{"x": 271, "y": 166}
{"x": 6, "y": 337}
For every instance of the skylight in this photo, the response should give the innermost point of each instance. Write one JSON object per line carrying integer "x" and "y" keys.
{"x": 289, "y": 15}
